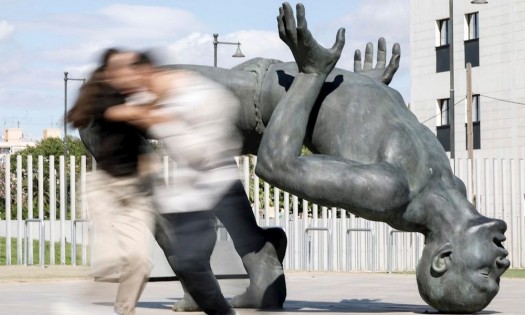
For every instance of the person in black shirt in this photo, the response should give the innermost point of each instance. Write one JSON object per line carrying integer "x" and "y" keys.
{"x": 119, "y": 201}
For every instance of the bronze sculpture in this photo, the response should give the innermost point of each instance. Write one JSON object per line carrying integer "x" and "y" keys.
{"x": 371, "y": 157}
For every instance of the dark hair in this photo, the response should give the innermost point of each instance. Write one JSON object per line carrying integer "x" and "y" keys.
{"x": 144, "y": 59}
{"x": 108, "y": 53}
{"x": 81, "y": 113}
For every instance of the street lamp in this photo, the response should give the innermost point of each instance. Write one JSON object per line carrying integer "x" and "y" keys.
{"x": 238, "y": 53}
{"x": 65, "y": 108}
{"x": 451, "y": 61}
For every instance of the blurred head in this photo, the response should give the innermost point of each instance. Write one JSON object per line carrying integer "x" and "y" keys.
{"x": 145, "y": 68}
{"x": 461, "y": 274}
{"x": 80, "y": 114}
{"x": 119, "y": 71}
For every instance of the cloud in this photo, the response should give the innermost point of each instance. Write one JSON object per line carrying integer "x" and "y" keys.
{"x": 6, "y": 30}
{"x": 374, "y": 19}
{"x": 151, "y": 22}
{"x": 120, "y": 25}
{"x": 197, "y": 48}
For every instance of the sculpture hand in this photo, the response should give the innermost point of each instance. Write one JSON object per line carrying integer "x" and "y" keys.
{"x": 379, "y": 73}
{"x": 311, "y": 57}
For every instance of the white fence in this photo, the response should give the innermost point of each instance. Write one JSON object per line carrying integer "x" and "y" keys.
{"x": 320, "y": 238}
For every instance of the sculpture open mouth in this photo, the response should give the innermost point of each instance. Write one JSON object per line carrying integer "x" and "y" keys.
{"x": 502, "y": 261}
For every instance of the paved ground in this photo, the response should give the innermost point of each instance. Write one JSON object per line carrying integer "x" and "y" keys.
{"x": 31, "y": 290}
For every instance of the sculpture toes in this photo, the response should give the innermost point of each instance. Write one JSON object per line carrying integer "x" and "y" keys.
{"x": 186, "y": 304}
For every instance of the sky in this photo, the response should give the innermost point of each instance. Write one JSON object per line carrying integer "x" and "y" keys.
{"x": 40, "y": 40}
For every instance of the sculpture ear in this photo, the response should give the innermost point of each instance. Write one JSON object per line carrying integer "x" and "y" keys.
{"x": 441, "y": 260}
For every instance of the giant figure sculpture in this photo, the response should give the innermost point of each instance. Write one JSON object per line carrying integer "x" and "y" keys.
{"x": 371, "y": 157}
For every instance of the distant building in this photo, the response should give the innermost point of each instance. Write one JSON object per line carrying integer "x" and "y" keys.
{"x": 13, "y": 142}
{"x": 492, "y": 38}
{"x": 52, "y": 133}
{"x": 12, "y": 135}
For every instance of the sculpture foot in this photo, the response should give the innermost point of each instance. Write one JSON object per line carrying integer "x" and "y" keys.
{"x": 267, "y": 288}
{"x": 186, "y": 304}
{"x": 277, "y": 237}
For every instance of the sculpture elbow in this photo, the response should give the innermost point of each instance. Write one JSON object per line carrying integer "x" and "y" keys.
{"x": 265, "y": 169}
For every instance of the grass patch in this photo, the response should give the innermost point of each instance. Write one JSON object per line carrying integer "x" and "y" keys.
{"x": 36, "y": 252}
{"x": 514, "y": 273}
{"x": 510, "y": 273}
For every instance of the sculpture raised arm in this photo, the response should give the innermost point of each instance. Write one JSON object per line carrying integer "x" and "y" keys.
{"x": 311, "y": 57}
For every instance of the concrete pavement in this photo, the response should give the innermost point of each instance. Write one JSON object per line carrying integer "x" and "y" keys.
{"x": 308, "y": 293}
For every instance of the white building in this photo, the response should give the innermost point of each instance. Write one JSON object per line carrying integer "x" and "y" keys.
{"x": 51, "y": 133}
{"x": 492, "y": 37}
{"x": 12, "y": 142}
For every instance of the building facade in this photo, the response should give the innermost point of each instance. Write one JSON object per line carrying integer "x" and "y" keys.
{"x": 492, "y": 38}
{"x": 51, "y": 133}
{"x": 13, "y": 142}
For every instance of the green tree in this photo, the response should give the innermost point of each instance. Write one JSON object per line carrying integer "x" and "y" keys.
{"x": 304, "y": 151}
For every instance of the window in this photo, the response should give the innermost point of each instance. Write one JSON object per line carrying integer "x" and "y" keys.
{"x": 476, "y": 123}
{"x": 443, "y": 123}
{"x": 443, "y": 35}
{"x": 472, "y": 39}
{"x": 442, "y": 45}
{"x": 443, "y": 115}
{"x": 471, "y": 26}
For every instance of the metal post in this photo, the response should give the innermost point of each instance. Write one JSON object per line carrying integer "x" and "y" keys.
{"x": 215, "y": 42}
{"x": 74, "y": 241}
{"x": 66, "y": 78}
{"x": 330, "y": 252}
{"x": 65, "y": 113}
{"x": 238, "y": 53}
{"x": 470, "y": 132}
{"x": 452, "y": 101}
{"x": 372, "y": 260}
{"x": 41, "y": 231}
{"x": 390, "y": 251}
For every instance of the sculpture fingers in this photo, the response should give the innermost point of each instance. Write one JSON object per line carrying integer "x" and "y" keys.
{"x": 339, "y": 44}
{"x": 381, "y": 53}
{"x": 303, "y": 33}
{"x": 369, "y": 54}
{"x": 280, "y": 25}
{"x": 289, "y": 23}
{"x": 393, "y": 65}
{"x": 358, "y": 66}
{"x": 301, "y": 18}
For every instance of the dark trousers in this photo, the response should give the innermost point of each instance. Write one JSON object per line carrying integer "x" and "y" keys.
{"x": 235, "y": 213}
{"x": 188, "y": 239}
{"x": 192, "y": 236}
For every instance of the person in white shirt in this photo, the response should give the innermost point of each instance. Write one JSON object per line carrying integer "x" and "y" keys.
{"x": 194, "y": 117}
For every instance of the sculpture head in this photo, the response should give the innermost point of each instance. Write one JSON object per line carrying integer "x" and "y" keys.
{"x": 460, "y": 273}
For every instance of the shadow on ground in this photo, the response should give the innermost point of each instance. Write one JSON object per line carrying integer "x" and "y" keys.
{"x": 343, "y": 306}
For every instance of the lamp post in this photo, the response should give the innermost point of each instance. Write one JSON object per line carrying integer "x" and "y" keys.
{"x": 66, "y": 78}
{"x": 238, "y": 53}
{"x": 451, "y": 62}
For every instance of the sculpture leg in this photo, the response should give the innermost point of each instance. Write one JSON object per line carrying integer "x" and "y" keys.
{"x": 192, "y": 238}
{"x": 262, "y": 251}
{"x": 248, "y": 238}
{"x": 187, "y": 303}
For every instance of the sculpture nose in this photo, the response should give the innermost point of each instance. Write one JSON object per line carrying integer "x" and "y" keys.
{"x": 499, "y": 226}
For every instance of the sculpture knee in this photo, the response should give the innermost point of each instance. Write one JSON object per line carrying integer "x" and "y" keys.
{"x": 277, "y": 169}
{"x": 182, "y": 266}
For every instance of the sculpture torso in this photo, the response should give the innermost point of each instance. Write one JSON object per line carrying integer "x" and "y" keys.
{"x": 356, "y": 118}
